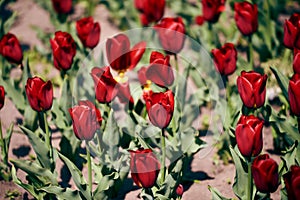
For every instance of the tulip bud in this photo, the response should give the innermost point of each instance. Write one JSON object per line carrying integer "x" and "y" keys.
{"x": 225, "y": 59}
{"x": 179, "y": 190}
{"x": 10, "y": 48}
{"x": 62, "y": 6}
{"x": 86, "y": 120}
{"x": 294, "y": 94}
{"x": 144, "y": 167}
{"x": 88, "y": 32}
{"x": 296, "y": 61}
{"x": 170, "y": 30}
{"x": 151, "y": 10}
{"x": 160, "y": 107}
{"x": 291, "y": 30}
{"x": 2, "y": 96}
{"x": 212, "y": 9}
{"x": 160, "y": 71}
{"x": 248, "y": 134}
{"x": 292, "y": 182}
{"x": 265, "y": 174}
{"x": 119, "y": 54}
{"x": 63, "y": 50}
{"x": 246, "y": 17}
{"x": 39, "y": 94}
{"x": 252, "y": 88}
{"x": 105, "y": 84}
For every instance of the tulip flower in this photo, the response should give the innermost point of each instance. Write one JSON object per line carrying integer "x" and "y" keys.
{"x": 179, "y": 190}
{"x": 2, "y": 96}
{"x": 246, "y": 17}
{"x": 63, "y": 50}
{"x": 39, "y": 94}
{"x": 171, "y": 34}
{"x": 265, "y": 174}
{"x": 142, "y": 76}
{"x": 252, "y": 88}
{"x": 62, "y": 6}
{"x": 292, "y": 182}
{"x": 151, "y": 10}
{"x": 248, "y": 135}
{"x": 86, "y": 120}
{"x": 296, "y": 61}
{"x": 105, "y": 84}
{"x": 144, "y": 167}
{"x": 225, "y": 59}
{"x": 160, "y": 107}
{"x": 120, "y": 57}
{"x": 123, "y": 93}
{"x": 88, "y": 32}
{"x": 294, "y": 94}
{"x": 10, "y": 48}
{"x": 291, "y": 30}
{"x": 211, "y": 10}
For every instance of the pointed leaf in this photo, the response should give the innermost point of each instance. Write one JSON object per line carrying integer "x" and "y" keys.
{"x": 282, "y": 80}
{"x": 62, "y": 193}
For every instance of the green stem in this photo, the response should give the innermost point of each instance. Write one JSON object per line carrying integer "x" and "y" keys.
{"x": 163, "y": 161}
{"x": 250, "y": 52}
{"x": 176, "y": 63}
{"x": 89, "y": 163}
{"x": 48, "y": 136}
{"x": 3, "y": 146}
{"x": 250, "y": 183}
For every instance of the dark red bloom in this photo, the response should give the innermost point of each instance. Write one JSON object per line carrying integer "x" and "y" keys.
{"x": 39, "y": 94}
{"x": 160, "y": 107}
{"x": 10, "y": 48}
{"x": 119, "y": 54}
{"x": 86, "y": 120}
{"x": 160, "y": 71}
{"x": 225, "y": 59}
{"x": 144, "y": 167}
{"x": 151, "y": 10}
{"x": 252, "y": 88}
{"x": 248, "y": 135}
{"x": 265, "y": 174}
{"x": 296, "y": 61}
{"x": 63, "y": 50}
{"x": 292, "y": 183}
{"x": 211, "y": 10}
{"x": 179, "y": 190}
{"x": 2, "y": 96}
{"x": 62, "y": 6}
{"x": 105, "y": 84}
{"x": 88, "y": 32}
{"x": 246, "y": 17}
{"x": 291, "y": 29}
{"x": 294, "y": 94}
{"x": 171, "y": 33}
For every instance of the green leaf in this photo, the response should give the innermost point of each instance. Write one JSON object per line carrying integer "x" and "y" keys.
{"x": 30, "y": 118}
{"x": 216, "y": 195}
{"x": 35, "y": 170}
{"x": 66, "y": 99}
{"x": 4, "y": 144}
{"x": 111, "y": 135}
{"x": 282, "y": 80}
{"x": 62, "y": 193}
{"x": 59, "y": 117}
{"x": 77, "y": 176}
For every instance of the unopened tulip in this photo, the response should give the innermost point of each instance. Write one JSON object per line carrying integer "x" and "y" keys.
{"x": 292, "y": 183}
{"x": 2, "y": 96}
{"x": 10, "y": 48}
{"x": 150, "y": 10}
{"x": 62, "y": 6}
{"x": 88, "y": 32}
{"x": 294, "y": 94}
{"x": 291, "y": 30}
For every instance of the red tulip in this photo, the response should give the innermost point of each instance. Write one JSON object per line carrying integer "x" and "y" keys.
{"x": 248, "y": 135}
{"x": 62, "y": 6}
{"x": 151, "y": 10}
{"x": 88, "y": 32}
{"x": 63, "y": 50}
{"x": 225, "y": 59}
{"x": 294, "y": 94}
{"x": 123, "y": 93}
{"x": 291, "y": 30}
{"x": 212, "y": 9}
{"x": 39, "y": 94}
{"x": 10, "y": 48}
{"x": 292, "y": 183}
{"x": 119, "y": 54}
{"x": 86, "y": 120}
{"x": 171, "y": 33}
{"x": 144, "y": 167}
{"x": 246, "y": 17}
{"x": 142, "y": 76}
{"x": 296, "y": 61}
{"x": 179, "y": 190}
{"x": 160, "y": 107}
{"x": 265, "y": 174}
{"x": 2, "y": 96}
{"x": 252, "y": 88}
{"x": 105, "y": 84}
